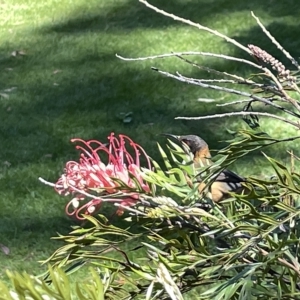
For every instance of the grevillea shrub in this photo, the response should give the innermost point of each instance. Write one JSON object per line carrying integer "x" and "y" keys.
{"x": 245, "y": 248}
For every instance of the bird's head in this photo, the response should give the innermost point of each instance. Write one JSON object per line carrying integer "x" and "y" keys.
{"x": 194, "y": 142}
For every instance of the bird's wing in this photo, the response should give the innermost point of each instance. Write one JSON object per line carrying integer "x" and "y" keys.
{"x": 229, "y": 176}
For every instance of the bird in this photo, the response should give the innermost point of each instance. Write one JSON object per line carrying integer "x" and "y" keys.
{"x": 225, "y": 182}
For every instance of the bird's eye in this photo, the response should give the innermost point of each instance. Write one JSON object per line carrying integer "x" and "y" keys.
{"x": 186, "y": 142}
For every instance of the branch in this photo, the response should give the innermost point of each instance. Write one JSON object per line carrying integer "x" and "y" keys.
{"x": 199, "y": 26}
{"x": 119, "y": 196}
{"x": 227, "y": 57}
{"x": 227, "y": 90}
{"x": 209, "y": 70}
{"x": 241, "y": 113}
{"x": 232, "y": 41}
{"x": 239, "y": 79}
{"x": 218, "y": 80}
{"x": 47, "y": 182}
{"x": 234, "y": 102}
{"x": 276, "y": 43}
{"x": 222, "y": 56}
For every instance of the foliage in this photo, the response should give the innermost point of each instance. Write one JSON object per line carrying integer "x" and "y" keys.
{"x": 245, "y": 248}
{"x": 30, "y": 287}
{"x": 69, "y": 84}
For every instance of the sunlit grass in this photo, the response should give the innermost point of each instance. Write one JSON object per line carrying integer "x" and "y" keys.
{"x": 70, "y": 84}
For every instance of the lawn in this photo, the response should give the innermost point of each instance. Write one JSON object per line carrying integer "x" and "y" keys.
{"x": 60, "y": 79}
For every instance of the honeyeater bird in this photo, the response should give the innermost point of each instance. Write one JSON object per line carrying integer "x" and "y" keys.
{"x": 227, "y": 181}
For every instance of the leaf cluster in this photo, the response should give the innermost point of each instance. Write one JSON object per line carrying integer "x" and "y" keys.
{"x": 247, "y": 248}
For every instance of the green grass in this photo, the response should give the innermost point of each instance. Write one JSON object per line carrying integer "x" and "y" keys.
{"x": 70, "y": 84}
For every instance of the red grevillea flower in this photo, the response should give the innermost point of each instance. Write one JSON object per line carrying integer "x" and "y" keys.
{"x": 107, "y": 169}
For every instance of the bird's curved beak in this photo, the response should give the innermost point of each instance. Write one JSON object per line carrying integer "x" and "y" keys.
{"x": 175, "y": 137}
{"x": 178, "y": 139}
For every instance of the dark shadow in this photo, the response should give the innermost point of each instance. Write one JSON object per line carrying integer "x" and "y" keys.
{"x": 132, "y": 14}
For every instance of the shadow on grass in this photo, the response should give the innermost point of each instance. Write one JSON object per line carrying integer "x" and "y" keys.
{"x": 132, "y": 15}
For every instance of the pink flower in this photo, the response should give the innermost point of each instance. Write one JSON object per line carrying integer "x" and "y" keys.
{"x": 118, "y": 178}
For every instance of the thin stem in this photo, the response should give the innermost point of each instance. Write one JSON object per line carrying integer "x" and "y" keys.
{"x": 227, "y": 90}
{"x": 266, "y": 70}
{"x": 244, "y": 81}
{"x": 227, "y": 57}
{"x": 293, "y": 155}
{"x": 235, "y": 102}
{"x": 48, "y": 183}
{"x": 223, "y": 56}
{"x": 240, "y": 80}
{"x": 241, "y": 113}
{"x": 105, "y": 198}
{"x": 218, "y": 80}
{"x": 209, "y": 70}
